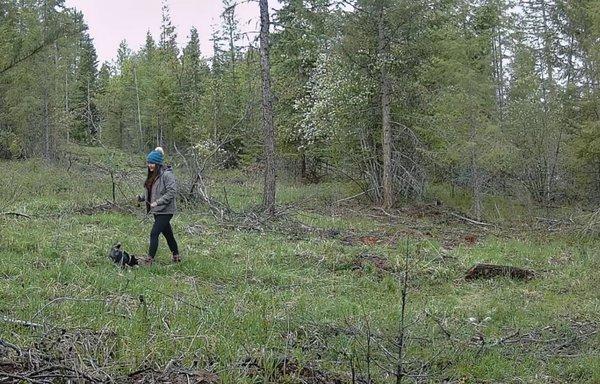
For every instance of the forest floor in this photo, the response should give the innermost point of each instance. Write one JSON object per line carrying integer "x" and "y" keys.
{"x": 312, "y": 297}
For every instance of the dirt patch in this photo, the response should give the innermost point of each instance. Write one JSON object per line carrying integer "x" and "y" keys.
{"x": 366, "y": 263}
{"x": 382, "y": 238}
{"x": 362, "y": 240}
{"x": 307, "y": 373}
{"x": 423, "y": 211}
{"x": 456, "y": 238}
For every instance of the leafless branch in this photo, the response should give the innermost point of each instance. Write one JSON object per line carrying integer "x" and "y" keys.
{"x": 23, "y": 323}
{"x": 15, "y": 214}
{"x": 471, "y": 221}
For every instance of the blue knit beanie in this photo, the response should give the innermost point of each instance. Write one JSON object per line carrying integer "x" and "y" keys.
{"x": 156, "y": 156}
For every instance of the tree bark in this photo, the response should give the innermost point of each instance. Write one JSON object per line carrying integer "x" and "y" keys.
{"x": 383, "y": 48}
{"x": 267, "y": 111}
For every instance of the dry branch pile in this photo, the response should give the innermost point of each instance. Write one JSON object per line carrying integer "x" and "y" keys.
{"x": 60, "y": 356}
{"x": 83, "y": 356}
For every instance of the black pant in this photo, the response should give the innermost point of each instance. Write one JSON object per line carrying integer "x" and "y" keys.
{"x": 162, "y": 224}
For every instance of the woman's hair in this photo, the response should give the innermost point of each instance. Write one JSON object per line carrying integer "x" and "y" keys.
{"x": 152, "y": 175}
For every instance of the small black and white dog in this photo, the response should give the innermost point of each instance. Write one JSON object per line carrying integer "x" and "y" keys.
{"x": 121, "y": 257}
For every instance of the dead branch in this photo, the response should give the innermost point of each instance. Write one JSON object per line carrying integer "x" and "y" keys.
{"x": 15, "y": 214}
{"x": 6, "y": 344}
{"x": 76, "y": 372}
{"x": 506, "y": 339}
{"x": 20, "y": 377}
{"x": 218, "y": 209}
{"x": 353, "y": 196}
{"x": 387, "y": 213}
{"x": 175, "y": 298}
{"x": 51, "y": 39}
{"x": 23, "y": 323}
{"x": 55, "y": 300}
{"x": 439, "y": 323}
{"x": 471, "y": 221}
{"x": 358, "y": 183}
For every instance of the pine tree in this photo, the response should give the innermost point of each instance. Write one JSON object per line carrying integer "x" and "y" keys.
{"x": 84, "y": 99}
{"x": 194, "y": 84}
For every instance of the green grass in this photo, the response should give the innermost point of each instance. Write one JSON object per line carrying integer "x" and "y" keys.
{"x": 263, "y": 295}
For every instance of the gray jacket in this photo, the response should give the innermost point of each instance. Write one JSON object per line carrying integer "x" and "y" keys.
{"x": 164, "y": 191}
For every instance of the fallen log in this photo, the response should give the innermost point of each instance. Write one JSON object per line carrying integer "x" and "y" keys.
{"x": 486, "y": 271}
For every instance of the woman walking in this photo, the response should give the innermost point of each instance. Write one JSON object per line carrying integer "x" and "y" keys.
{"x": 160, "y": 190}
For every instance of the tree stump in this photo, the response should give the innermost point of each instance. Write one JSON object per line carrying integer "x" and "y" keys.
{"x": 486, "y": 271}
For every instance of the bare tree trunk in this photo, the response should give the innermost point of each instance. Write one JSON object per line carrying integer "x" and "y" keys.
{"x": 497, "y": 57}
{"x": 46, "y": 124}
{"x": 159, "y": 134}
{"x": 90, "y": 113}
{"x": 267, "y": 109}
{"x": 598, "y": 180}
{"x": 67, "y": 100}
{"x": 139, "y": 115}
{"x": 383, "y": 48}
{"x": 46, "y": 91}
{"x": 476, "y": 185}
{"x": 215, "y": 95}
{"x": 215, "y": 114}
{"x": 476, "y": 177}
{"x": 121, "y": 131}
{"x": 230, "y": 21}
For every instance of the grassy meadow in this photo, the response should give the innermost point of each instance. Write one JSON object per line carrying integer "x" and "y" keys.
{"x": 313, "y": 297}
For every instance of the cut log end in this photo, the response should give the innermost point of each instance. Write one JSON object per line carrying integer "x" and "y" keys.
{"x": 487, "y": 271}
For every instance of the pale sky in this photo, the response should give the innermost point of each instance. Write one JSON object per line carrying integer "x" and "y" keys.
{"x": 111, "y": 21}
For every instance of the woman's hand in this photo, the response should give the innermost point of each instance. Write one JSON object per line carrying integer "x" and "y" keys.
{"x": 152, "y": 205}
